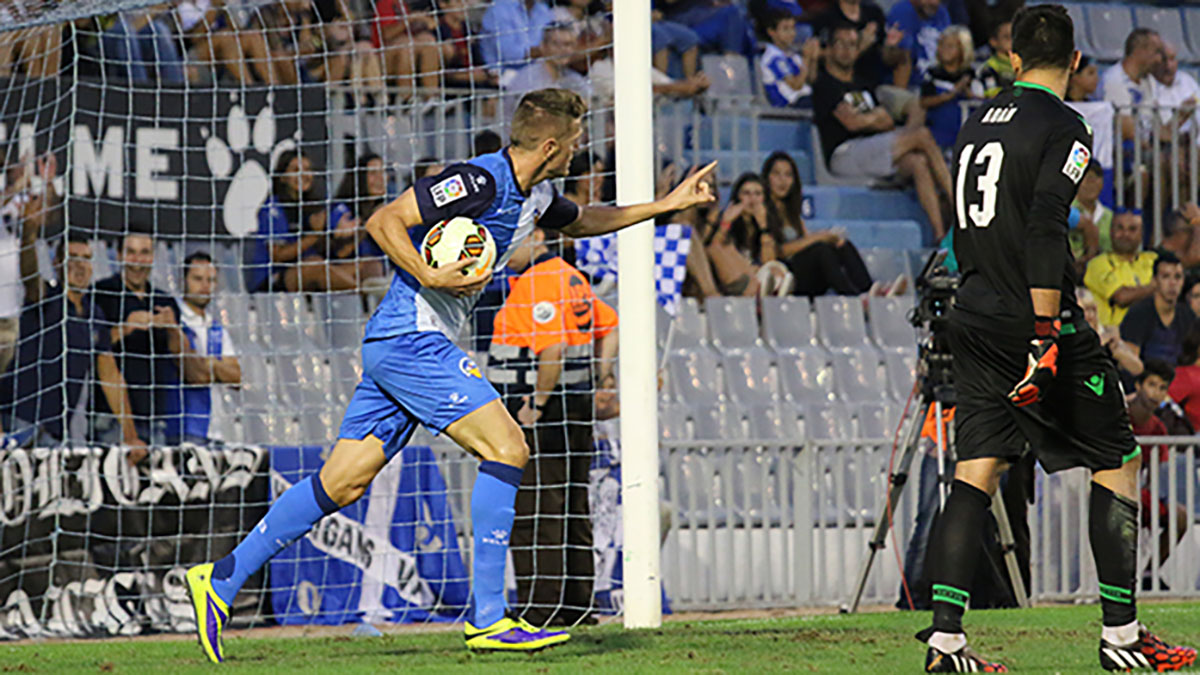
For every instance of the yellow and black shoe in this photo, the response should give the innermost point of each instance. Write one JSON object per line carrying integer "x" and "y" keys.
{"x": 211, "y": 611}
{"x": 512, "y": 635}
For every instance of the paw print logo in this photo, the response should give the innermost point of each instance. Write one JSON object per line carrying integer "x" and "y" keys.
{"x": 246, "y": 146}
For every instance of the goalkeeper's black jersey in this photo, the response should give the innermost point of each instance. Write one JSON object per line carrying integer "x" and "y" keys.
{"x": 1017, "y": 164}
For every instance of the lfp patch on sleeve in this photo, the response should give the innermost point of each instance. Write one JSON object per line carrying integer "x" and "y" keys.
{"x": 448, "y": 190}
{"x": 1077, "y": 161}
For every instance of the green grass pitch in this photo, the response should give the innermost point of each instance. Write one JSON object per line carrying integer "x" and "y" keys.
{"x": 1056, "y": 639}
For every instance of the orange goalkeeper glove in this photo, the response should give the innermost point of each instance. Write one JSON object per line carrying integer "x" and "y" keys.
{"x": 1042, "y": 365}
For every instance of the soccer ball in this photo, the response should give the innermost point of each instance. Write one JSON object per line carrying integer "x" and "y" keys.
{"x": 459, "y": 239}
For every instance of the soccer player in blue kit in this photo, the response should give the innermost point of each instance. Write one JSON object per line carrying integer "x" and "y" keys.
{"x": 414, "y": 374}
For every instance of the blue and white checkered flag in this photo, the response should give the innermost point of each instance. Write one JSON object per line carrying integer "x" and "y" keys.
{"x": 597, "y": 256}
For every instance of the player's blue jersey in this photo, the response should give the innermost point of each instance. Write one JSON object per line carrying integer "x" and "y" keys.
{"x": 485, "y": 190}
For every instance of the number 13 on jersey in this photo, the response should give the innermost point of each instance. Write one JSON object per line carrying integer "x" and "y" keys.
{"x": 989, "y": 159}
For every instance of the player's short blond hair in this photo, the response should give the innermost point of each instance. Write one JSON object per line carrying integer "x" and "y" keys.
{"x": 545, "y": 113}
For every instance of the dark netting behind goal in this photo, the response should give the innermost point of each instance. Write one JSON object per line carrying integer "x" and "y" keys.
{"x": 184, "y": 279}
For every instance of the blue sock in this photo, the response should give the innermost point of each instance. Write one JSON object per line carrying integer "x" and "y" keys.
{"x": 288, "y": 519}
{"x": 492, "y": 513}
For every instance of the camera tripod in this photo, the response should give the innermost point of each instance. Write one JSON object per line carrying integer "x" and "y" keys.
{"x": 933, "y": 396}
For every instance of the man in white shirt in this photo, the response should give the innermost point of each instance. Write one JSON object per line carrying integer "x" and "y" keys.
{"x": 12, "y": 289}
{"x": 203, "y": 415}
{"x": 558, "y": 45}
{"x": 1129, "y": 82}
{"x": 12, "y": 292}
{"x": 1176, "y": 90}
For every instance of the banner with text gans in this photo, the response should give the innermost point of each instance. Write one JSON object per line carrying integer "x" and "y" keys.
{"x": 391, "y": 556}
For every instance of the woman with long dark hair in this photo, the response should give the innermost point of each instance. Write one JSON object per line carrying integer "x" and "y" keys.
{"x": 819, "y": 261}
{"x": 741, "y": 246}
{"x": 363, "y": 190}
{"x": 293, "y": 246}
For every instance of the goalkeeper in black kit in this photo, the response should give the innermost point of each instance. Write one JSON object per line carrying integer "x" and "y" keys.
{"x": 1030, "y": 373}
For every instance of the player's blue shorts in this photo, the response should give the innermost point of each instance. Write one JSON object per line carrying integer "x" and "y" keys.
{"x": 410, "y": 379}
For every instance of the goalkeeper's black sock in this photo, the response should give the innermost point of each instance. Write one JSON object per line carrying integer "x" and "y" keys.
{"x": 955, "y": 546}
{"x": 1113, "y": 527}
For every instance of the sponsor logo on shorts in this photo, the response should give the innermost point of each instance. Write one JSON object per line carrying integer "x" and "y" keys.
{"x": 448, "y": 190}
{"x": 1077, "y": 161}
{"x": 1095, "y": 383}
{"x": 468, "y": 368}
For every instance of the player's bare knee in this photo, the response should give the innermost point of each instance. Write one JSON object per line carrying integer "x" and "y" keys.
{"x": 512, "y": 451}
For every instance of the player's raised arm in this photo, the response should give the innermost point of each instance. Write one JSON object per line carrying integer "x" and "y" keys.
{"x": 596, "y": 220}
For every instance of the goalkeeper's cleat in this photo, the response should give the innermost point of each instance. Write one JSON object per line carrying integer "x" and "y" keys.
{"x": 514, "y": 635}
{"x": 964, "y": 660}
{"x": 211, "y": 611}
{"x": 1146, "y": 653}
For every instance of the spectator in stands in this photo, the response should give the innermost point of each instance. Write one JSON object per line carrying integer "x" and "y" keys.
{"x": 1156, "y": 325}
{"x": 1180, "y": 237}
{"x": 670, "y": 40}
{"x": 213, "y": 359}
{"x": 458, "y": 44}
{"x": 722, "y": 27}
{"x": 237, "y": 53}
{"x": 43, "y": 386}
{"x": 576, "y": 16}
{"x": 551, "y": 70}
{"x": 363, "y": 190}
{"x": 1110, "y": 337}
{"x": 147, "y": 341}
{"x": 602, "y": 77}
{"x": 1185, "y": 388}
{"x": 38, "y": 52}
{"x": 948, "y": 83}
{"x": 407, "y": 41}
{"x": 819, "y": 261}
{"x": 1176, "y": 90}
{"x": 511, "y": 33}
{"x": 294, "y": 240}
{"x": 997, "y": 72}
{"x": 140, "y": 47}
{"x": 1191, "y": 293}
{"x": 860, "y": 138}
{"x": 984, "y": 15}
{"x": 16, "y": 198}
{"x": 879, "y": 52}
{"x": 1145, "y": 407}
{"x": 922, "y": 22}
{"x": 1124, "y": 275}
{"x": 1177, "y": 93}
{"x": 787, "y": 76}
{"x": 741, "y": 248}
{"x": 486, "y": 142}
{"x": 1130, "y": 83}
{"x": 1084, "y": 81}
{"x": 1093, "y": 234}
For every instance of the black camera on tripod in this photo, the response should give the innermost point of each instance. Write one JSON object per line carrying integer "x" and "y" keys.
{"x": 936, "y": 287}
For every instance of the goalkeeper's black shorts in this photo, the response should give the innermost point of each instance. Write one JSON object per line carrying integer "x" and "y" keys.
{"x": 1081, "y": 421}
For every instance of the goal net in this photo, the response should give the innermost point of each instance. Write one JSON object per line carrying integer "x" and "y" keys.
{"x": 185, "y": 275}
